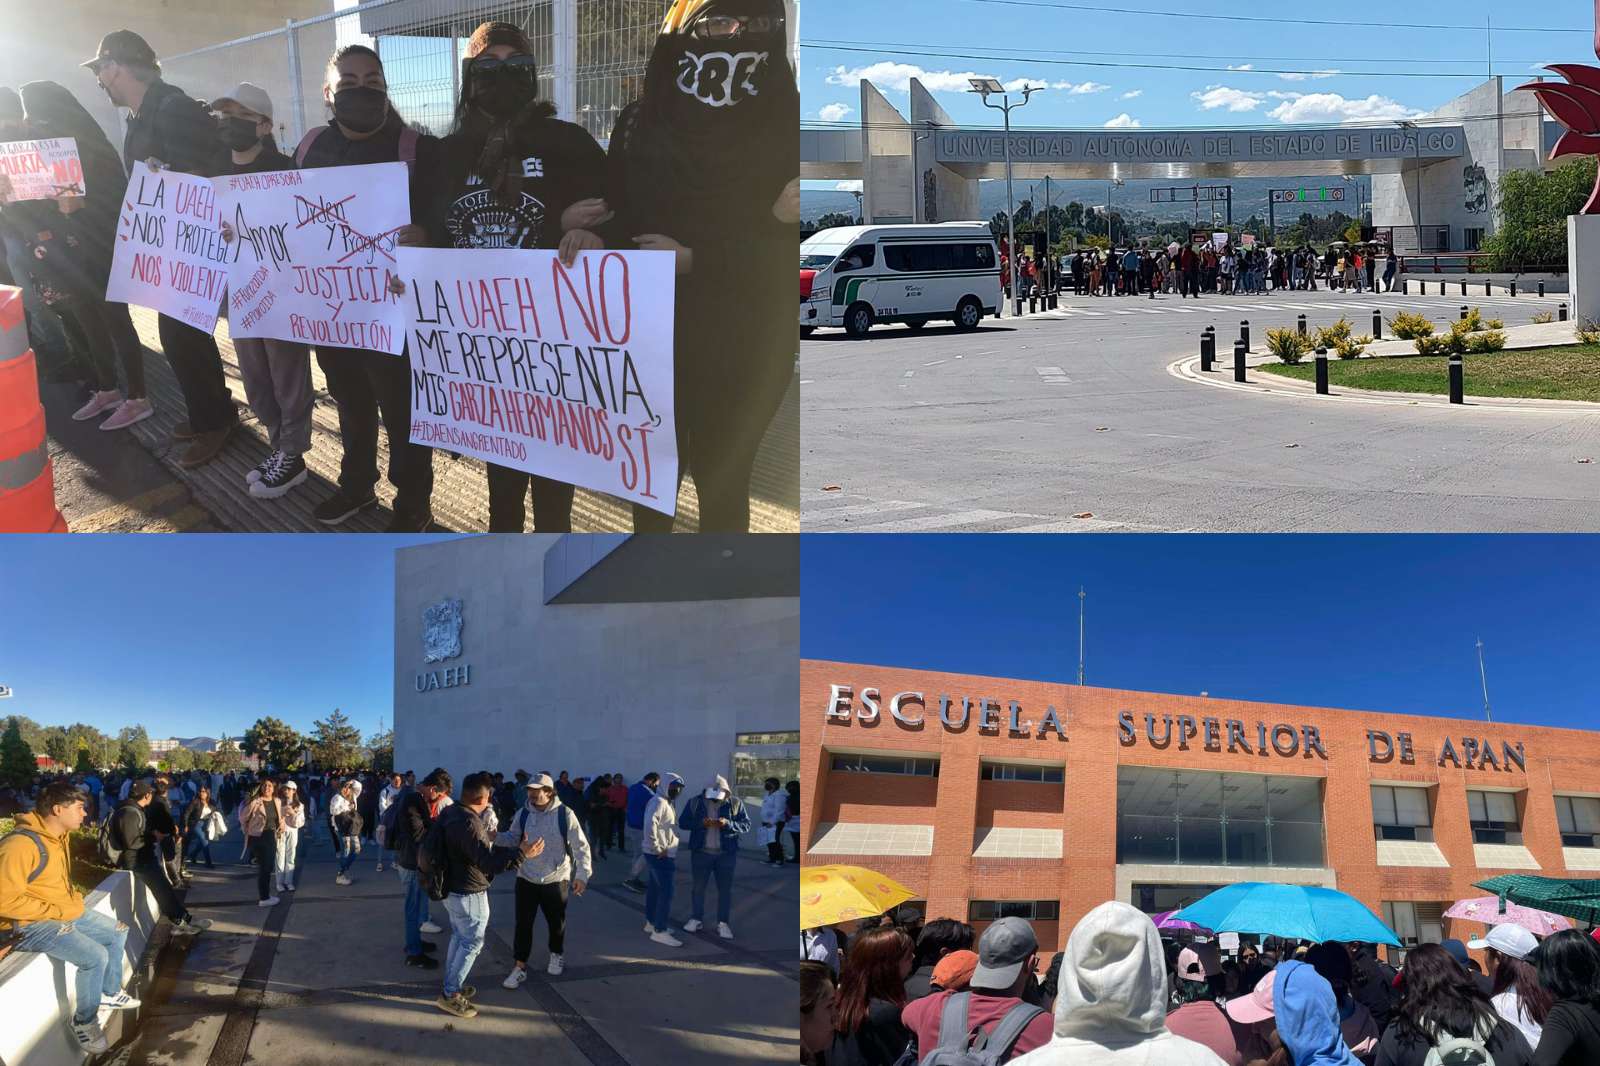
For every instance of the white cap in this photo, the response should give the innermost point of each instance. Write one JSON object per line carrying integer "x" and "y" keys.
{"x": 1507, "y": 939}
{"x": 250, "y": 97}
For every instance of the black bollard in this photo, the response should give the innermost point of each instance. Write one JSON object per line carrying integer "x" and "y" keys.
{"x": 1033, "y": 303}
{"x": 1405, "y": 287}
{"x": 1441, "y": 288}
{"x": 1513, "y": 286}
{"x": 1377, "y": 325}
{"x": 1463, "y": 286}
{"x": 1322, "y": 371}
{"x": 1152, "y": 292}
{"x": 1541, "y": 288}
{"x": 1244, "y": 333}
{"x": 1486, "y": 291}
{"x": 1053, "y": 301}
{"x": 1463, "y": 312}
{"x": 1455, "y": 378}
{"x": 1561, "y": 312}
{"x": 1238, "y": 360}
{"x": 1206, "y": 340}
{"x": 1300, "y": 322}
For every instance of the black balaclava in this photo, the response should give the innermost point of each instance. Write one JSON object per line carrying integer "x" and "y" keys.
{"x": 495, "y": 107}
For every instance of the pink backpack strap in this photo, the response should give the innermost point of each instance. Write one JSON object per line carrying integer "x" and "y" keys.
{"x": 408, "y": 146}
{"x": 305, "y": 144}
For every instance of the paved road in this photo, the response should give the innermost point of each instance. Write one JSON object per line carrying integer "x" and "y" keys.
{"x": 1070, "y": 421}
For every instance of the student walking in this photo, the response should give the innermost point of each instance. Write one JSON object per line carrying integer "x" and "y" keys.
{"x": 599, "y": 814}
{"x": 262, "y": 819}
{"x": 715, "y": 819}
{"x": 639, "y": 797}
{"x": 346, "y": 821}
{"x": 197, "y": 827}
{"x": 772, "y": 819}
{"x": 418, "y": 809}
{"x": 137, "y": 851}
{"x": 543, "y": 881}
{"x": 386, "y": 798}
{"x": 661, "y": 860}
{"x": 294, "y": 819}
{"x": 617, "y": 801}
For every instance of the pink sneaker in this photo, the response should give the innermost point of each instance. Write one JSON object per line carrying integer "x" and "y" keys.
{"x": 98, "y": 403}
{"x": 129, "y": 412}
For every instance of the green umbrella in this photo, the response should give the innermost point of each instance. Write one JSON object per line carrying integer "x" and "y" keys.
{"x": 1572, "y": 897}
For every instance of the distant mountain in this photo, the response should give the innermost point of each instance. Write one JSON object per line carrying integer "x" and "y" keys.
{"x": 1132, "y": 200}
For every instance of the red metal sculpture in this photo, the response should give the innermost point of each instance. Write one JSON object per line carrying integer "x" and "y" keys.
{"x": 1575, "y": 104}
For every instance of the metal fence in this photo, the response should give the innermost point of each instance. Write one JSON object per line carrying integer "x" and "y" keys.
{"x": 591, "y": 54}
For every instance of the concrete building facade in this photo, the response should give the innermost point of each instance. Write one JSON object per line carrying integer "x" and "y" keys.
{"x": 596, "y": 654}
{"x": 990, "y": 796}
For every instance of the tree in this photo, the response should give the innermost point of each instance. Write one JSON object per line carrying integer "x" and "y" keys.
{"x": 1533, "y": 215}
{"x": 178, "y": 759}
{"x": 273, "y": 741}
{"x": 335, "y": 743}
{"x": 836, "y": 218}
{"x": 57, "y": 744}
{"x": 85, "y": 763}
{"x": 133, "y": 747}
{"x": 225, "y": 758}
{"x": 381, "y": 745}
{"x": 17, "y": 766}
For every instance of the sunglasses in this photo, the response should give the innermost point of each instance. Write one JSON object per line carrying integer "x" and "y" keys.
{"x": 510, "y": 64}
{"x": 720, "y": 27}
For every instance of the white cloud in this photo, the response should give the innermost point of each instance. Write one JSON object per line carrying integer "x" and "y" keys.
{"x": 1242, "y": 66}
{"x": 1123, "y": 121}
{"x": 833, "y": 112}
{"x": 1131, "y": 94}
{"x": 1222, "y": 96}
{"x": 1308, "y": 75}
{"x": 853, "y": 185}
{"x": 897, "y": 77}
{"x": 1081, "y": 89}
{"x": 1331, "y": 107}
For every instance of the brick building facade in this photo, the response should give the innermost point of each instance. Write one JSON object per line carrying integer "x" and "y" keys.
{"x": 991, "y": 796}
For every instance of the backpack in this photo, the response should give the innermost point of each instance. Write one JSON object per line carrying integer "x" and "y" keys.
{"x": 433, "y": 861}
{"x": 110, "y": 851}
{"x": 561, "y": 823}
{"x": 1463, "y": 1050}
{"x": 38, "y": 842}
{"x": 960, "y": 1046}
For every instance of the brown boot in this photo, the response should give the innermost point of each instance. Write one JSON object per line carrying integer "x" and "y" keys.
{"x": 183, "y": 431}
{"x": 206, "y": 446}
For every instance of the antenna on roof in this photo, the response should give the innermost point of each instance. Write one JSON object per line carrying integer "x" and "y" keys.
{"x": 1484, "y": 678}
{"x": 1080, "y": 634}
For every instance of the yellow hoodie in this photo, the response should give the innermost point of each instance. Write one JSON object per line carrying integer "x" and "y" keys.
{"x": 51, "y": 894}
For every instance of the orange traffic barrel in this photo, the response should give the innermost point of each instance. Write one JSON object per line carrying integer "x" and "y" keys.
{"x": 27, "y": 488}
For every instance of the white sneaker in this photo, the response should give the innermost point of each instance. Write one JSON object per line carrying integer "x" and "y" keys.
{"x": 270, "y": 901}
{"x": 724, "y": 931}
{"x": 127, "y": 413}
{"x": 99, "y": 403}
{"x": 648, "y": 928}
{"x": 429, "y": 927}
{"x": 664, "y": 937}
{"x": 555, "y": 967}
{"x": 90, "y": 1038}
{"x": 341, "y": 879}
{"x": 120, "y": 1001}
{"x": 289, "y": 886}
{"x": 515, "y": 978}
{"x": 380, "y": 867}
{"x": 693, "y": 925}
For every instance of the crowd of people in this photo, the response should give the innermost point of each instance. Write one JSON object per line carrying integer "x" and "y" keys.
{"x": 444, "y": 845}
{"x": 708, "y": 176}
{"x": 897, "y": 991}
{"x": 1193, "y": 269}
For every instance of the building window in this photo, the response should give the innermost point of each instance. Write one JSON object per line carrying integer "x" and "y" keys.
{"x": 1002, "y": 771}
{"x": 790, "y": 737}
{"x": 1415, "y": 922}
{"x": 886, "y": 764}
{"x": 1472, "y": 238}
{"x": 1034, "y": 910}
{"x": 1494, "y": 817}
{"x": 1183, "y": 817}
{"x": 1400, "y": 813}
{"x": 1579, "y": 819}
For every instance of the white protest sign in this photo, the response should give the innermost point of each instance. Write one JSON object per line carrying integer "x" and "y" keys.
{"x": 170, "y": 255}
{"x": 41, "y": 170}
{"x": 1228, "y": 941}
{"x": 562, "y": 372}
{"x": 313, "y": 253}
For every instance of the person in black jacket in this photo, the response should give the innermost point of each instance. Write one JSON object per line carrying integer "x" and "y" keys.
{"x": 367, "y": 384}
{"x": 168, "y": 128}
{"x": 704, "y": 164}
{"x": 417, "y": 808}
{"x": 1439, "y": 998}
{"x": 1569, "y": 969}
{"x": 507, "y": 176}
{"x": 140, "y": 846}
{"x": 472, "y": 861}
{"x": 49, "y": 344}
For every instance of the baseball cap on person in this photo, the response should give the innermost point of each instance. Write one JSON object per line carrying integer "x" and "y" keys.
{"x": 1255, "y": 1007}
{"x": 1002, "y": 950}
{"x": 1507, "y": 939}
{"x": 290, "y": 784}
{"x": 1199, "y": 961}
{"x": 540, "y": 781}
{"x": 1457, "y": 950}
{"x": 954, "y": 971}
{"x": 122, "y": 46}
{"x": 250, "y": 97}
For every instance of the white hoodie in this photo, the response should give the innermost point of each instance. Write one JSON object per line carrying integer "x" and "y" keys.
{"x": 661, "y": 821}
{"x": 1111, "y": 1001}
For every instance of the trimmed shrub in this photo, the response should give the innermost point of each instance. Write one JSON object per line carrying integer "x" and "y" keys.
{"x": 1539, "y": 318}
{"x": 1496, "y": 323}
{"x": 1351, "y": 347}
{"x": 1287, "y": 344}
{"x": 1588, "y": 332}
{"x": 1431, "y": 345}
{"x": 1489, "y": 340}
{"x": 1407, "y": 325}
{"x": 1332, "y": 336}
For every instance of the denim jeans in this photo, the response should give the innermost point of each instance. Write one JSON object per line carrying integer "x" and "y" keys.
{"x": 658, "y": 890}
{"x": 349, "y": 848}
{"x": 416, "y": 909}
{"x": 93, "y": 944}
{"x": 704, "y": 864}
{"x": 288, "y": 850}
{"x": 469, "y": 921}
{"x": 198, "y": 845}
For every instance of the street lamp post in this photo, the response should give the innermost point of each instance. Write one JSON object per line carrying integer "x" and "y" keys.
{"x": 1114, "y": 183}
{"x": 984, "y": 87}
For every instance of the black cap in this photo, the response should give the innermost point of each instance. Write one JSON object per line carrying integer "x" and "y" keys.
{"x": 123, "y": 46}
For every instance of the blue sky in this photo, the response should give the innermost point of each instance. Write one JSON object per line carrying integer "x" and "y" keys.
{"x": 1384, "y": 623}
{"x": 1047, "y": 42}
{"x": 198, "y": 635}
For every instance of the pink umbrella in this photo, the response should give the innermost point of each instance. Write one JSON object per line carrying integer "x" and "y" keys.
{"x": 1486, "y": 909}
{"x": 1166, "y": 923}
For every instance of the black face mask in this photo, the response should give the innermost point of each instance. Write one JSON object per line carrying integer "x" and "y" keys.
{"x": 501, "y": 88}
{"x": 360, "y": 109}
{"x": 239, "y": 134}
{"x": 503, "y": 98}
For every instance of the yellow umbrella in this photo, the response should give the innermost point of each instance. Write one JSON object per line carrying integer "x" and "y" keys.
{"x": 833, "y": 894}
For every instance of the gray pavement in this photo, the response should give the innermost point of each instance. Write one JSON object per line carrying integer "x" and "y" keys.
{"x": 1072, "y": 421}
{"x": 320, "y": 979}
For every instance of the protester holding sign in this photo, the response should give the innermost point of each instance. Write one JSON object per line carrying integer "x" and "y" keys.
{"x": 44, "y": 332}
{"x": 508, "y": 176}
{"x": 365, "y": 383}
{"x": 176, "y": 132}
{"x": 68, "y": 243}
{"x": 276, "y": 373}
{"x": 704, "y": 165}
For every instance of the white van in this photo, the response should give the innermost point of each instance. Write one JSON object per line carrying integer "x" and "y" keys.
{"x": 855, "y": 276}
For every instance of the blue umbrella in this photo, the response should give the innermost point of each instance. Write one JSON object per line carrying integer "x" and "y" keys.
{"x": 1302, "y": 912}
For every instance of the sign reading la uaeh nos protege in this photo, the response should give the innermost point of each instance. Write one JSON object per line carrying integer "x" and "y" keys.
{"x": 170, "y": 256}
{"x": 564, "y": 372}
